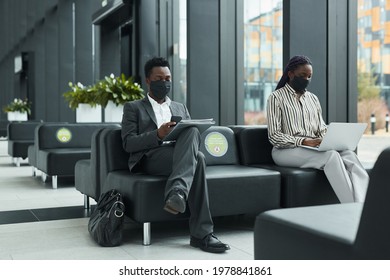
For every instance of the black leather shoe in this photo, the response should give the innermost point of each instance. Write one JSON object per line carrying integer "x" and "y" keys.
{"x": 176, "y": 202}
{"x": 210, "y": 243}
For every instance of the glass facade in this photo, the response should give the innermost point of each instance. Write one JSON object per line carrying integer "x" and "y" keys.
{"x": 245, "y": 74}
{"x": 373, "y": 60}
{"x": 263, "y": 55}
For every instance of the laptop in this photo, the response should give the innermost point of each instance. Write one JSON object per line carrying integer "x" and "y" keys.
{"x": 341, "y": 137}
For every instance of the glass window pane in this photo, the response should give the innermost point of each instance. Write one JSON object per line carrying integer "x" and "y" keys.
{"x": 263, "y": 55}
{"x": 373, "y": 62}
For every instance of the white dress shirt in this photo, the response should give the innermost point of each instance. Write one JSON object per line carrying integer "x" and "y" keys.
{"x": 162, "y": 111}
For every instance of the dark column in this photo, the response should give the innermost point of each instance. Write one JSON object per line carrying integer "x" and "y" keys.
{"x": 305, "y": 33}
{"x": 168, "y": 39}
{"x": 203, "y": 59}
{"x": 146, "y": 21}
{"x": 326, "y": 32}
{"x": 231, "y": 62}
{"x": 40, "y": 73}
{"x": 110, "y": 51}
{"x": 351, "y": 35}
{"x": 342, "y": 60}
{"x": 66, "y": 58}
{"x": 7, "y": 59}
{"x": 84, "y": 65}
{"x": 215, "y": 60}
{"x": 3, "y": 6}
{"x": 8, "y": 78}
{"x": 51, "y": 66}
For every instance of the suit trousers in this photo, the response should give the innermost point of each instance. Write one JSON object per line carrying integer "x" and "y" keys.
{"x": 185, "y": 167}
{"x": 344, "y": 171}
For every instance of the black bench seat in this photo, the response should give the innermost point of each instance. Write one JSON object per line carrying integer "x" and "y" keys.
{"x": 233, "y": 188}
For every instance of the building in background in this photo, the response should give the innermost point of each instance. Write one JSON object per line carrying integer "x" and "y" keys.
{"x": 373, "y": 59}
{"x": 263, "y": 55}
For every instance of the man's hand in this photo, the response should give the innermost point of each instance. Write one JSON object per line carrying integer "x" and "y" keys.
{"x": 312, "y": 142}
{"x": 165, "y": 129}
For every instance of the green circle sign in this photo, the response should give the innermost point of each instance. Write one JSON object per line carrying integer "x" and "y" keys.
{"x": 216, "y": 144}
{"x": 64, "y": 135}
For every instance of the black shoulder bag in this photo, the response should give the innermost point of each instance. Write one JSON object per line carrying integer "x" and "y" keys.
{"x": 106, "y": 221}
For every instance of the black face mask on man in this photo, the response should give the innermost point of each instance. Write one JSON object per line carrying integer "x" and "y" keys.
{"x": 299, "y": 84}
{"x": 160, "y": 89}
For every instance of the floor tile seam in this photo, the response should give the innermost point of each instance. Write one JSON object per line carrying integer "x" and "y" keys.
{"x": 31, "y": 211}
{"x": 14, "y": 210}
{"x": 55, "y": 224}
{"x": 241, "y": 250}
{"x": 41, "y": 221}
{"x": 42, "y": 208}
{"x": 37, "y": 219}
{"x": 17, "y": 222}
{"x": 128, "y": 253}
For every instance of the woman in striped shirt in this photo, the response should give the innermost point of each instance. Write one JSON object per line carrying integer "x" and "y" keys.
{"x": 294, "y": 119}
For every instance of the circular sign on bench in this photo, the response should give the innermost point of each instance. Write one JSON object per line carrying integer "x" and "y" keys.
{"x": 216, "y": 144}
{"x": 64, "y": 135}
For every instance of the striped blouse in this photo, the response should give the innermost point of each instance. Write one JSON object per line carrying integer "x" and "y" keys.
{"x": 291, "y": 120}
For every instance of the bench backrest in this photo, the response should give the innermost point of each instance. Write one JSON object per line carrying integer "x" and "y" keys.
{"x": 62, "y": 135}
{"x": 95, "y": 158}
{"x": 21, "y": 130}
{"x": 253, "y": 144}
{"x": 3, "y": 128}
{"x": 373, "y": 237}
{"x": 112, "y": 155}
{"x": 219, "y": 146}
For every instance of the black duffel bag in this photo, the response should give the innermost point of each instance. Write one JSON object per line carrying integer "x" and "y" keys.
{"x": 106, "y": 221}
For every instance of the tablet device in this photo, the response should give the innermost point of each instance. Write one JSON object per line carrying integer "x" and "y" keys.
{"x": 201, "y": 124}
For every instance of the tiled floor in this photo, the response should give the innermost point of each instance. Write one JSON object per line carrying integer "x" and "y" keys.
{"x": 38, "y": 222}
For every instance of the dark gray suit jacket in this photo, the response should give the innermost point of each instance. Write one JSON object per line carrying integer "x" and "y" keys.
{"x": 139, "y": 127}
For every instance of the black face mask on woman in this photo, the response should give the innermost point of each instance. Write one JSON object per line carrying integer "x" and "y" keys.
{"x": 160, "y": 89}
{"x": 299, "y": 84}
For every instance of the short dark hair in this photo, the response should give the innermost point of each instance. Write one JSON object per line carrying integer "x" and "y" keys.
{"x": 155, "y": 62}
{"x": 293, "y": 64}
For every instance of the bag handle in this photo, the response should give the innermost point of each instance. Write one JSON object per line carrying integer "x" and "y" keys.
{"x": 119, "y": 209}
{"x": 107, "y": 198}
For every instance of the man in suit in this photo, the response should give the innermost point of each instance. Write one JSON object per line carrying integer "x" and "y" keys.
{"x": 145, "y": 123}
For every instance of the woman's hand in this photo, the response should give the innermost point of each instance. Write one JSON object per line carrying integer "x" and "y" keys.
{"x": 312, "y": 142}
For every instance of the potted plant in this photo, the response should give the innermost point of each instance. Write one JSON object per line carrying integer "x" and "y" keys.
{"x": 114, "y": 92}
{"x": 85, "y": 100}
{"x": 18, "y": 110}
